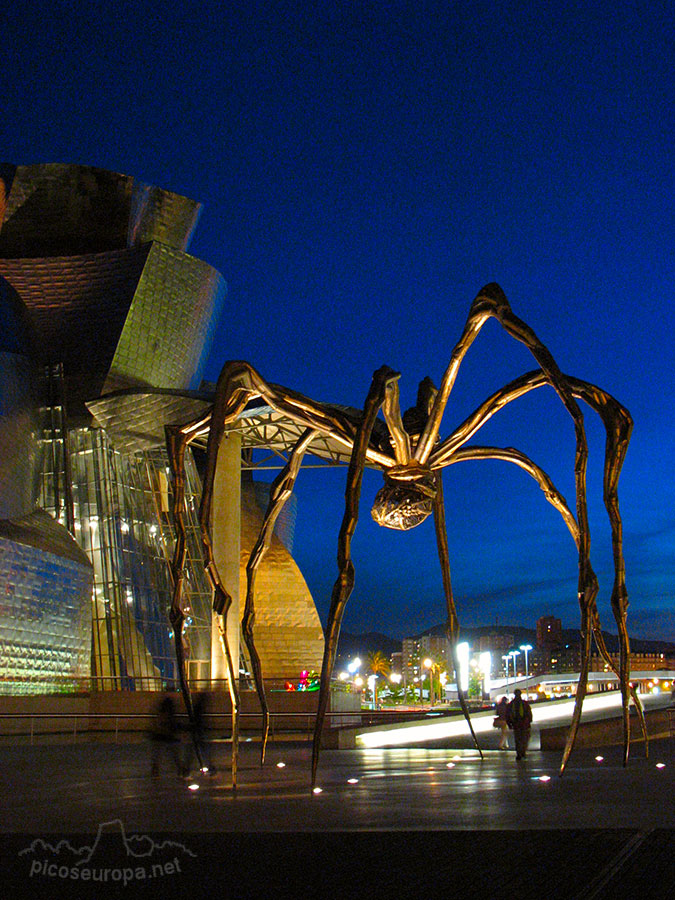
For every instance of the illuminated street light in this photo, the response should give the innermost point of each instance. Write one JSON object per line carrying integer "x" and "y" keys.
{"x": 506, "y": 659}
{"x": 429, "y": 664}
{"x": 463, "y": 660}
{"x": 485, "y": 664}
{"x": 526, "y": 649}
{"x": 515, "y": 653}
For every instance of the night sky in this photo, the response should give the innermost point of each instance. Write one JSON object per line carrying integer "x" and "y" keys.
{"x": 364, "y": 170}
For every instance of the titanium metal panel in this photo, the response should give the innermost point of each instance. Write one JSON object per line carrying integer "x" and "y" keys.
{"x": 78, "y": 305}
{"x": 168, "y": 333}
{"x": 159, "y": 215}
{"x": 135, "y": 421}
{"x": 20, "y": 450}
{"x": 56, "y": 209}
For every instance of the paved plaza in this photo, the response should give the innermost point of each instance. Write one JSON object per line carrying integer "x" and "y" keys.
{"x": 401, "y": 820}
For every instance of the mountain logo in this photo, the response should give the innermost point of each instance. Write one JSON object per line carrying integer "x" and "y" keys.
{"x": 114, "y": 857}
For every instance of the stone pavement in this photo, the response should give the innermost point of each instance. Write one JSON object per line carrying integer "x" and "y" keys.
{"x": 402, "y": 822}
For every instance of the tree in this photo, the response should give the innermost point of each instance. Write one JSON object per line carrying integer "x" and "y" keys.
{"x": 396, "y": 694}
{"x": 378, "y": 664}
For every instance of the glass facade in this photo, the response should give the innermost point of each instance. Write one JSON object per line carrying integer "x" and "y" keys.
{"x": 45, "y": 635}
{"x": 120, "y": 507}
{"x": 98, "y": 293}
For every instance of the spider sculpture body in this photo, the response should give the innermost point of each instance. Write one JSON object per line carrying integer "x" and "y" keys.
{"x": 409, "y": 453}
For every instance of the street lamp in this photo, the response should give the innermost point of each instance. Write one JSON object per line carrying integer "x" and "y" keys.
{"x": 515, "y": 653}
{"x": 485, "y": 664}
{"x": 506, "y": 664}
{"x": 526, "y": 649}
{"x": 428, "y": 664}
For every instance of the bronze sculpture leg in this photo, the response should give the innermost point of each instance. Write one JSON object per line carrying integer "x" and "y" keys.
{"x": 491, "y": 302}
{"x": 345, "y": 580}
{"x": 281, "y": 490}
{"x": 221, "y": 598}
{"x": 453, "y": 622}
{"x": 176, "y": 442}
{"x": 618, "y": 426}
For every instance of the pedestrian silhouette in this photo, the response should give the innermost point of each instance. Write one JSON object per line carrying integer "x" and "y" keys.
{"x": 164, "y": 736}
{"x": 519, "y": 718}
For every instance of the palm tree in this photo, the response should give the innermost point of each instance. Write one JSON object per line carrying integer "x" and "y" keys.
{"x": 378, "y": 664}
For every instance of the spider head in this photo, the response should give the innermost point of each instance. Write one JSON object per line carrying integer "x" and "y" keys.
{"x": 406, "y": 499}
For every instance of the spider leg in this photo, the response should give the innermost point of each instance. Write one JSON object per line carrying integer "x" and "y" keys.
{"x": 176, "y": 443}
{"x": 233, "y": 392}
{"x": 392, "y": 414}
{"x": 345, "y": 580}
{"x": 556, "y": 499}
{"x": 453, "y": 622}
{"x": 491, "y": 302}
{"x": 508, "y": 454}
{"x": 618, "y": 426}
{"x": 281, "y": 490}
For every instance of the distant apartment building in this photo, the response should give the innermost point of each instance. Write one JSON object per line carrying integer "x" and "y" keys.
{"x": 639, "y": 662}
{"x": 498, "y": 644}
{"x": 564, "y": 659}
{"x": 549, "y": 633}
{"x": 415, "y": 650}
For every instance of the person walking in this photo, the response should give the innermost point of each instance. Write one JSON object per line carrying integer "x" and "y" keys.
{"x": 197, "y": 740}
{"x": 164, "y": 738}
{"x": 519, "y": 718}
{"x": 500, "y": 721}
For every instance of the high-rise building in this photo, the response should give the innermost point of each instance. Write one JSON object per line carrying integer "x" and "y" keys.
{"x": 549, "y": 633}
{"x": 108, "y": 325}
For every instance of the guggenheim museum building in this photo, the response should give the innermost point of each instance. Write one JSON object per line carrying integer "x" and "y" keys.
{"x": 106, "y": 323}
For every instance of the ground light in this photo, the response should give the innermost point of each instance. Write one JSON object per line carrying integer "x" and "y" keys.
{"x": 317, "y": 790}
{"x": 281, "y": 765}
{"x": 660, "y": 765}
{"x": 352, "y": 781}
{"x": 193, "y": 787}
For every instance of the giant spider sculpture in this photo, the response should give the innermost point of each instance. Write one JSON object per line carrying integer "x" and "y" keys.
{"x": 411, "y": 457}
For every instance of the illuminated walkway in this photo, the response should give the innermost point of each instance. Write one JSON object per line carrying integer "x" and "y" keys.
{"x": 434, "y": 728}
{"x": 72, "y": 787}
{"x": 397, "y": 820}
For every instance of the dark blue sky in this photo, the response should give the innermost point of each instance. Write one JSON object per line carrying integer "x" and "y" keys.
{"x": 365, "y": 169}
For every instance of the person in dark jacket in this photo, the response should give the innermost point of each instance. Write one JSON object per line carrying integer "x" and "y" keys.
{"x": 164, "y": 737}
{"x": 519, "y": 718}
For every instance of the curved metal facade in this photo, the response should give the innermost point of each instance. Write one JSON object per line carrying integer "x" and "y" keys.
{"x": 95, "y": 264}
{"x": 56, "y": 209}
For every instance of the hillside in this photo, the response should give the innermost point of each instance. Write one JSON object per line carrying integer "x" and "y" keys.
{"x": 352, "y": 645}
